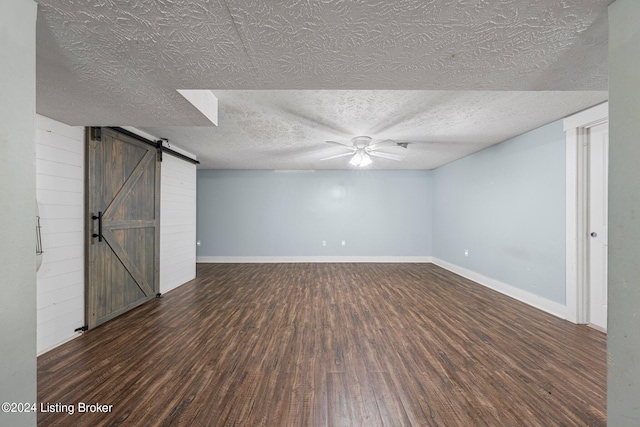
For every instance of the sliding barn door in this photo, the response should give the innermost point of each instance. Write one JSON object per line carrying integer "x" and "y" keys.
{"x": 123, "y": 219}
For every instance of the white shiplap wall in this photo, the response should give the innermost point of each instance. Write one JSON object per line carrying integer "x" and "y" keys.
{"x": 177, "y": 223}
{"x": 60, "y": 193}
{"x": 59, "y": 190}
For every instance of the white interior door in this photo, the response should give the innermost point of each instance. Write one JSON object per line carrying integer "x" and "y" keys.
{"x": 598, "y": 239}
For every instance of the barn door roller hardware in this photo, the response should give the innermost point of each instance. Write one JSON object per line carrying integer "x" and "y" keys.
{"x": 97, "y": 135}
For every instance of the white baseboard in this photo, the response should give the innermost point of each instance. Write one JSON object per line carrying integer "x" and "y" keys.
{"x": 597, "y": 327}
{"x": 66, "y": 340}
{"x": 533, "y": 300}
{"x": 311, "y": 259}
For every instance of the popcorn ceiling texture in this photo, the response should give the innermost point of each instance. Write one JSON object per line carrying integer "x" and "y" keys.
{"x": 286, "y": 129}
{"x": 119, "y": 63}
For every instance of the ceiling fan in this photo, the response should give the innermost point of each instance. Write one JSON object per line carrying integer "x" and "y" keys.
{"x": 362, "y": 150}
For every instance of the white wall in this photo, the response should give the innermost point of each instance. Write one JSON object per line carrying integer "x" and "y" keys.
{"x": 60, "y": 193}
{"x": 17, "y": 209}
{"x": 177, "y": 222}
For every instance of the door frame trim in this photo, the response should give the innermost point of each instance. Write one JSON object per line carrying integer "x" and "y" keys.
{"x": 576, "y": 129}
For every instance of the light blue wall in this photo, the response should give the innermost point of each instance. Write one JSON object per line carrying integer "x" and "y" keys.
{"x": 623, "y": 322}
{"x": 268, "y": 213}
{"x": 506, "y": 205}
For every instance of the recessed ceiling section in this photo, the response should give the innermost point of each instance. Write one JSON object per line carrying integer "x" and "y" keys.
{"x": 287, "y": 129}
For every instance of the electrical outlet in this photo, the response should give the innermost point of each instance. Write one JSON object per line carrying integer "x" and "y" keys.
{"x": 466, "y": 253}
{"x": 198, "y": 243}
{"x": 343, "y": 243}
{"x": 324, "y": 243}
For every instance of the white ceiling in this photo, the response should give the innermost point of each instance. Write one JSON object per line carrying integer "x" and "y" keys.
{"x": 453, "y": 75}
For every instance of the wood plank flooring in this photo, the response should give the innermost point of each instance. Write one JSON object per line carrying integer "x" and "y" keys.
{"x": 330, "y": 345}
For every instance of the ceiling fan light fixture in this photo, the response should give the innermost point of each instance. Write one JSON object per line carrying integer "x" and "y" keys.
{"x": 360, "y": 159}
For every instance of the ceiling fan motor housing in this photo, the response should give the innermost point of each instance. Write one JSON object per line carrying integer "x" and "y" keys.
{"x": 361, "y": 141}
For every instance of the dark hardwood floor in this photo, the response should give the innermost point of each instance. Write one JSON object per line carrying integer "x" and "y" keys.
{"x": 330, "y": 345}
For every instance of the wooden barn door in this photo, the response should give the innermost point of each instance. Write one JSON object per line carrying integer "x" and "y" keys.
{"x": 123, "y": 219}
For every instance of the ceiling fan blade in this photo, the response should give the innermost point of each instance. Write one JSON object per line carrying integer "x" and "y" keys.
{"x": 385, "y": 143}
{"x": 336, "y": 156}
{"x": 340, "y": 143}
{"x": 386, "y": 155}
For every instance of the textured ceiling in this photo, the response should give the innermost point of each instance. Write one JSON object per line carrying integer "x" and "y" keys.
{"x": 287, "y": 129}
{"x": 113, "y": 62}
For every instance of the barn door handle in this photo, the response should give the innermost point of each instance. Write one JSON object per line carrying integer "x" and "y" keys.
{"x": 99, "y": 218}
